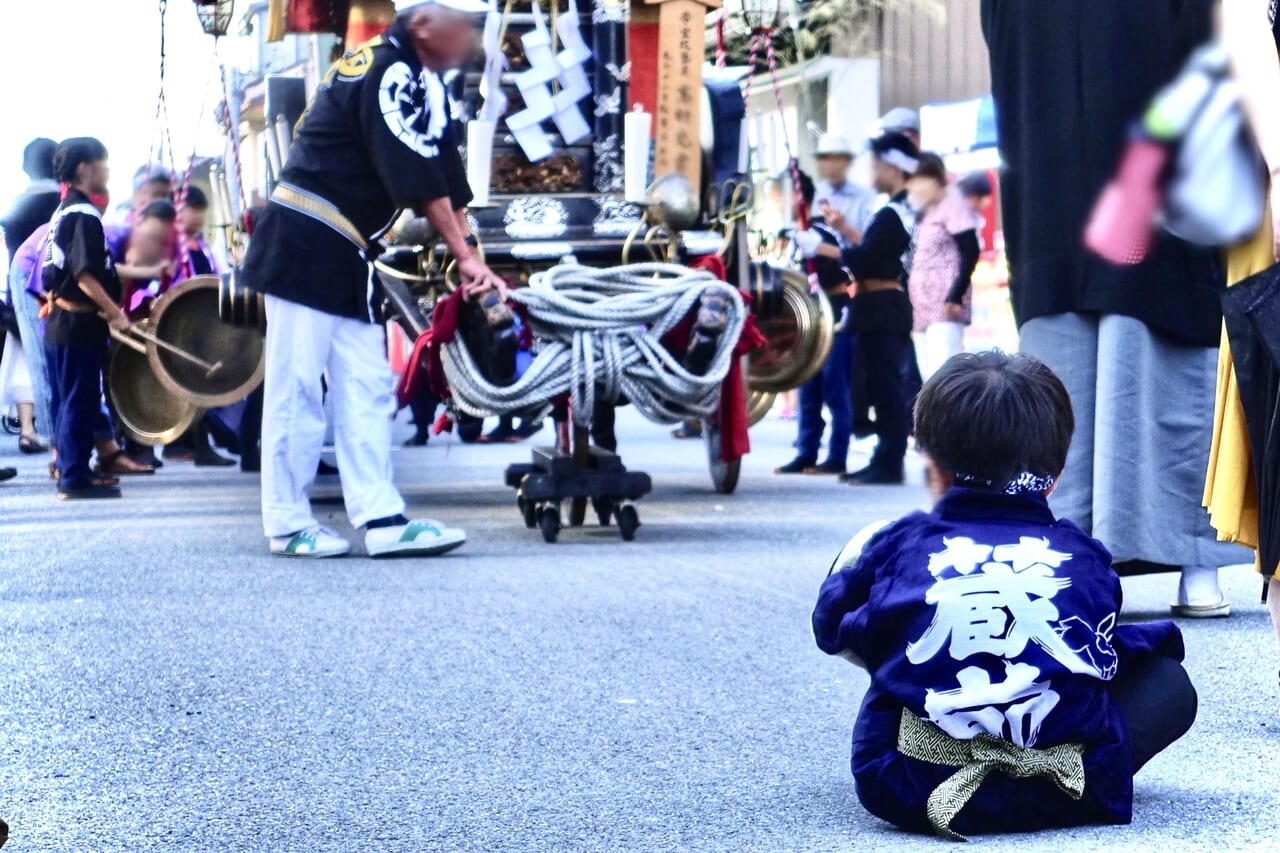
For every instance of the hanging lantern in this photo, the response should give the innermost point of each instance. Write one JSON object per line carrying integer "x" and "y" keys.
{"x": 215, "y": 15}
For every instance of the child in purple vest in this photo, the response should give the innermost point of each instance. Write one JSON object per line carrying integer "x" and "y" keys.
{"x": 1004, "y": 696}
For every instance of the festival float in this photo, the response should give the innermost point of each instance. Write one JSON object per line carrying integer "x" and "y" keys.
{"x": 614, "y": 187}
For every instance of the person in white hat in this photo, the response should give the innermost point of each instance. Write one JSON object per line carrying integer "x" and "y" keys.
{"x": 841, "y": 204}
{"x": 377, "y": 138}
{"x": 902, "y": 120}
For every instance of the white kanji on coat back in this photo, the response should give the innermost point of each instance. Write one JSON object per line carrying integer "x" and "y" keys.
{"x": 997, "y": 600}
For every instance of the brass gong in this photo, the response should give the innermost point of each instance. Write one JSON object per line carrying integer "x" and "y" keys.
{"x": 187, "y": 316}
{"x": 758, "y": 405}
{"x": 148, "y": 412}
{"x": 798, "y": 337}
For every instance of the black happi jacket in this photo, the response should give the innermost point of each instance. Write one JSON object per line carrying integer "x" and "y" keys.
{"x": 378, "y": 137}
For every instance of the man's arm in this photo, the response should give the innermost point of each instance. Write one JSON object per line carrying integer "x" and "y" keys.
{"x": 116, "y": 318}
{"x": 886, "y": 237}
{"x": 452, "y": 227}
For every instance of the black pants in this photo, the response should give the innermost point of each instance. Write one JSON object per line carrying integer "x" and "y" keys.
{"x": 888, "y": 359}
{"x": 1158, "y": 702}
{"x": 250, "y": 434}
{"x": 423, "y": 405}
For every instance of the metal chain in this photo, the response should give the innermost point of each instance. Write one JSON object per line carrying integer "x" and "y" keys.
{"x": 600, "y": 331}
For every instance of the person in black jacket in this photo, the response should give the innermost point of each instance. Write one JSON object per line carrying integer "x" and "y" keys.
{"x": 377, "y": 138}
{"x": 38, "y": 201}
{"x": 881, "y": 311}
{"x": 80, "y": 279}
{"x": 1136, "y": 345}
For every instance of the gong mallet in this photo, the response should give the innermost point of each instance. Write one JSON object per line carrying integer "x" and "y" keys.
{"x": 128, "y": 339}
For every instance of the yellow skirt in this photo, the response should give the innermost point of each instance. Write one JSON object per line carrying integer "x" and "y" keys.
{"x": 1230, "y": 492}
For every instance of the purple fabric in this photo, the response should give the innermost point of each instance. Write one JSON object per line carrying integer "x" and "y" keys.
{"x": 27, "y": 259}
{"x": 189, "y": 248}
{"x": 118, "y": 240}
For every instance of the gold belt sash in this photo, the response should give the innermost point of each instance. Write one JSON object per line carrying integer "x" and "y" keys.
{"x": 318, "y": 208}
{"x": 924, "y": 741}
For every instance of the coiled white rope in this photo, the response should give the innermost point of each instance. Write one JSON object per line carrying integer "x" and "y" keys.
{"x": 600, "y": 330}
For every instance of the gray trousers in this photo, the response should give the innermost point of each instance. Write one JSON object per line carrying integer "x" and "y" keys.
{"x": 1144, "y": 425}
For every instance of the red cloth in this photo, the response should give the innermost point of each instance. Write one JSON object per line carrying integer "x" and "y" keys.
{"x": 416, "y": 370}
{"x": 734, "y": 440}
{"x": 444, "y": 326}
{"x": 642, "y": 50}
{"x": 316, "y": 16}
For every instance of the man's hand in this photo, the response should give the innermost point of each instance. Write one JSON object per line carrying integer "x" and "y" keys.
{"x": 839, "y": 222}
{"x": 119, "y": 321}
{"x": 953, "y": 312}
{"x": 831, "y": 216}
{"x": 477, "y": 278}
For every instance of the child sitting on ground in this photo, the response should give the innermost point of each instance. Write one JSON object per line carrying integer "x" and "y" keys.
{"x": 1004, "y": 697}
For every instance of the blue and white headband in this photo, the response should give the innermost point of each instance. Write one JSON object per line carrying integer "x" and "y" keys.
{"x": 1025, "y": 483}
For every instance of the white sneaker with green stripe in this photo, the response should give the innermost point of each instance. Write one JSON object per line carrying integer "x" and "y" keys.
{"x": 422, "y": 537}
{"x": 316, "y": 541}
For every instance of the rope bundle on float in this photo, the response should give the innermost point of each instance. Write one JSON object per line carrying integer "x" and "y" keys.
{"x": 599, "y": 331}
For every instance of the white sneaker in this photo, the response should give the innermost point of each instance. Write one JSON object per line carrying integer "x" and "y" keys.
{"x": 422, "y": 537}
{"x": 315, "y": 541}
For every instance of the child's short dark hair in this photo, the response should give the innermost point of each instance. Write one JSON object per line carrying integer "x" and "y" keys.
{"x": 195, "y": 198}
{"x": 987, "y": 418}
{"x": 160, "y": 209}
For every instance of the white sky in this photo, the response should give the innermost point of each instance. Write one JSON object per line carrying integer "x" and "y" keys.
{"x": 92, "y": 68}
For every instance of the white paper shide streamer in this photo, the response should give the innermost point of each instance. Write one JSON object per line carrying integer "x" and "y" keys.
{"x": 546, "y": 67}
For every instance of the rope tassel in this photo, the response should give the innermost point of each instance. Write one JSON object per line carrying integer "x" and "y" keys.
{"x": 600, "y": 333}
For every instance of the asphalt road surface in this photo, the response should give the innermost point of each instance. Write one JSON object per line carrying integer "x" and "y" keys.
{"x": 167, "y": 685}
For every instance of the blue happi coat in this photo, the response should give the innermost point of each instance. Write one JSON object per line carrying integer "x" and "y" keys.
{"x": 988, "y": 615}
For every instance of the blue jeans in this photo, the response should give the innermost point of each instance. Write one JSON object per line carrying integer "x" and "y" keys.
{"x": 79, "y": 382}
{"x": 28, "y": 311}
{"x": 830, "y": 387}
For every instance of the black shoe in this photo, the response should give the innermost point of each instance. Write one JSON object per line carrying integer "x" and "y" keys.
{"x": 827, "y": 467}
{"x": 795, "y": 466}
{"x": 873, "y": 476}
{"x": 31, "y": 446}
{"x": 419, "y": 439}
{"x": 207, "y": 457}
{"x": 90, "y": 492}
{"x": 684, "y": 432}
{"x": 8, "y": 474}
{"x": 146, "y": 456}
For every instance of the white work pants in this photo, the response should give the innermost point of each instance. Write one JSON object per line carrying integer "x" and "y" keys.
{"x": 302, "y": 344}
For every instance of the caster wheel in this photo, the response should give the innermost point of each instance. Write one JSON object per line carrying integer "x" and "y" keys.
{"x": 604, "y": 511}
{"x": 530, "y": 512}
{"x": 628, "y": 522}
{"x": 549, "y": 524}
